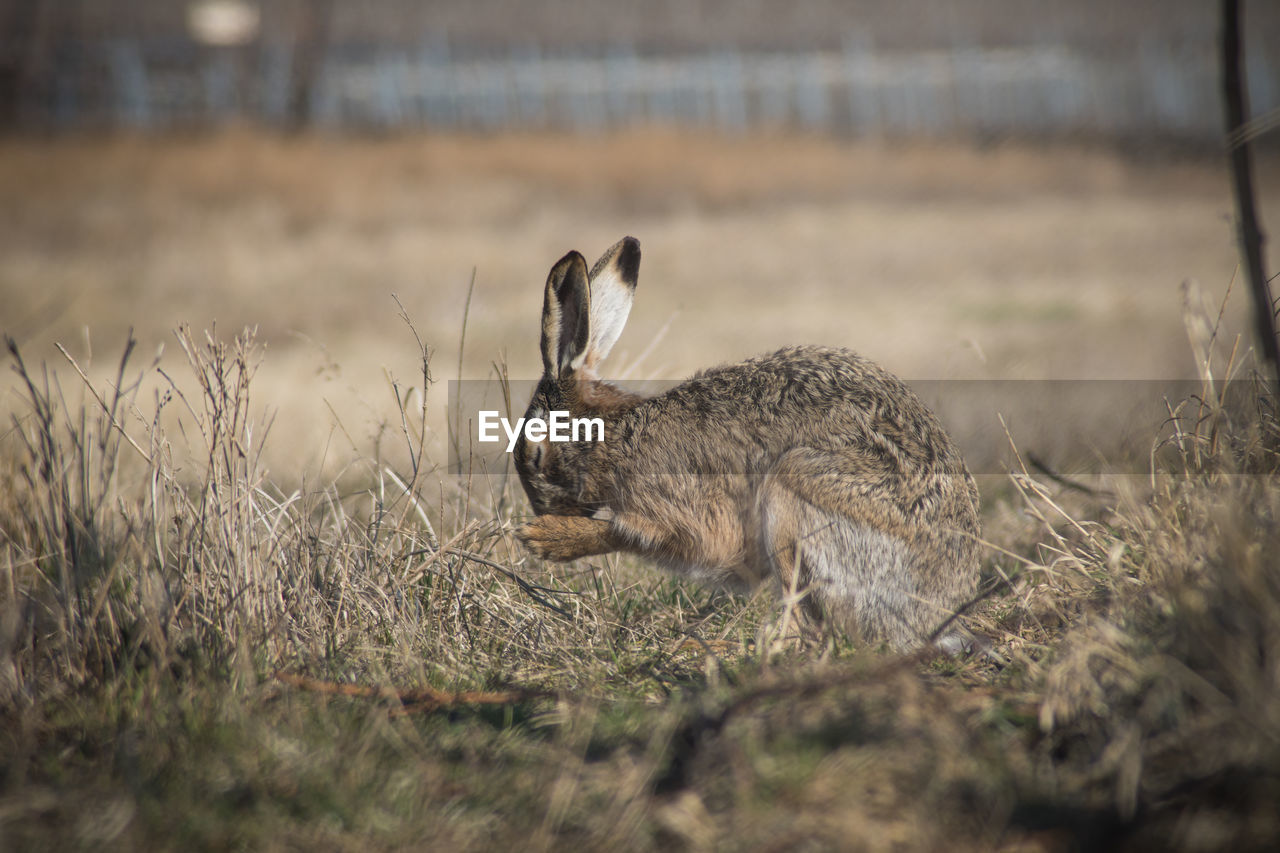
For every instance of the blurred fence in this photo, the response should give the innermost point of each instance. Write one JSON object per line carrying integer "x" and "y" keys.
{"x": 1154, "y": 89}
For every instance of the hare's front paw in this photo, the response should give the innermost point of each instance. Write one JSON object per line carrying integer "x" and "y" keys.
{"x": 562, "y": 538}
{"x": 538, "y": 538}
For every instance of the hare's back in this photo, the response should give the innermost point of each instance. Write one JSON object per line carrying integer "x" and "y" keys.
{"x": 823, "y": 398}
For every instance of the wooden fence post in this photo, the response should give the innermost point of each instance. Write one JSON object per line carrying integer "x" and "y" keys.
{"x": 1235, "y": 101}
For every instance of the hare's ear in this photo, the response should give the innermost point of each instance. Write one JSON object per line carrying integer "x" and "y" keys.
{"x": 613, "y": 284}
{"x": 566, "y": 316}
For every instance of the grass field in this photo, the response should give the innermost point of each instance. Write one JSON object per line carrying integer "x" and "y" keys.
{"x": 204, "y": 519}
{"x": 939, "y": 262}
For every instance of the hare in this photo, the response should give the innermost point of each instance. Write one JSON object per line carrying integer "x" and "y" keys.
{"x": 811, "y": 466}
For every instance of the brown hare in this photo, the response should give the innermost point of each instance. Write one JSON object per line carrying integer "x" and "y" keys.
{"x": 811, "y": 466}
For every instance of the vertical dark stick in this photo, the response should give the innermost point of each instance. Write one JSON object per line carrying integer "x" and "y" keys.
{"x": 1248, "y": 233}
{"x": 310, "y": 46}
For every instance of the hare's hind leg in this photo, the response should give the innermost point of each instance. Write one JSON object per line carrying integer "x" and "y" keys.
{"x": 826, "y": 527}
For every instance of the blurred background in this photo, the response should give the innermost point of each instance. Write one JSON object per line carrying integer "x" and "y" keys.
{"x": 868, "y": 68}
{"x": 976, "y": 189}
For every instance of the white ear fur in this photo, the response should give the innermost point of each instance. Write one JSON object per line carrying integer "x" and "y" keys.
{"x": 613, "y": 286}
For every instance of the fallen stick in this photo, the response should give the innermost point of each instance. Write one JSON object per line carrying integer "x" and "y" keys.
{"x": 410, "y": 699}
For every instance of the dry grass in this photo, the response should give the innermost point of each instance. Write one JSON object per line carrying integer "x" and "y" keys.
{"x": 155, "y": 573}
{"x": 149, "y": 594}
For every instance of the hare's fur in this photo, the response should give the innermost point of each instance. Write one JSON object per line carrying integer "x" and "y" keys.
{"x": 811, "y": 467}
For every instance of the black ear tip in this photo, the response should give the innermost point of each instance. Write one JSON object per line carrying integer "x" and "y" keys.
{"x": 569, "y": 259}
{"x": 629, "y": 259}
{"x": 571, "y": 266}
